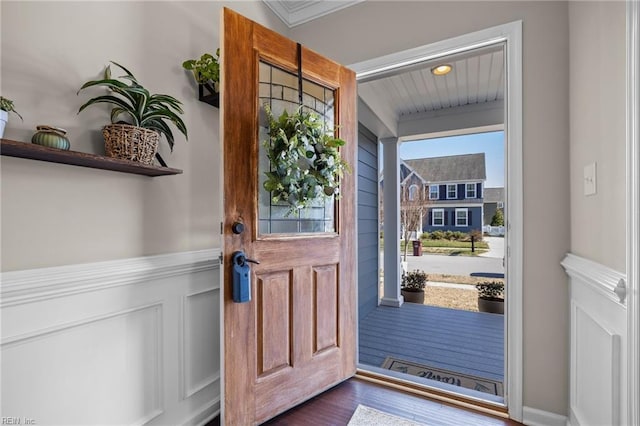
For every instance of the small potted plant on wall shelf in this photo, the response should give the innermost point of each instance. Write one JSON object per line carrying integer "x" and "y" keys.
{"x": 413, "y": 284}
{"x": 206, "y": 72}
{"x": 491, "y": 297}
{"x": 146, "y": 117}
{"x": 6, "y": 106}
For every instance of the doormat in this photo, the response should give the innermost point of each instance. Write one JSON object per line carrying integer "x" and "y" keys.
{"x": 480, "y": 384}
{"x": 367, "y": 416}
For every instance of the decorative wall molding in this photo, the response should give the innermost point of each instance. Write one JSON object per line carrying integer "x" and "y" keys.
{"x": 601, "y": 278}
{"x": 46, "y": 283}
{"x": 188, "y": 389}
{"x": 294, "y": 13}
{"x": 633, "y": 207}
{"x": 535, "y": 417}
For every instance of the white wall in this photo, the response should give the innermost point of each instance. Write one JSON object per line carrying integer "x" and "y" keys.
{"x": 372, "y": 29}
{"x": 597, "y": 95}
{"x": 57, "y": 214}
{"x": 131, "y": 341}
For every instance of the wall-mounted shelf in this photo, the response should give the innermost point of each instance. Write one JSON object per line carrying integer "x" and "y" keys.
{"x": 210, "y": 97}
{"x": 42, "y": 153}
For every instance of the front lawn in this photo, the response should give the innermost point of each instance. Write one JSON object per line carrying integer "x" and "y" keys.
{"x": 448, "y": 247}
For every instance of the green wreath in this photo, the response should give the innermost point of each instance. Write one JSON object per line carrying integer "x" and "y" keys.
{"x": 305, "y": 159}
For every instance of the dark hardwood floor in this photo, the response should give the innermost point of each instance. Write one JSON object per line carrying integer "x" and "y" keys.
{"x": 337, "y": 405}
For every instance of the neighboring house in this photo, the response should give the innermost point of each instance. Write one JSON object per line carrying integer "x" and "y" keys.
{"x": 493, "y": 200}
{"x": 452, "y": 188}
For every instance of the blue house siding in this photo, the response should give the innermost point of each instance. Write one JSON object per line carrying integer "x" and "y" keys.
{"x": 461, "y": 191}
{"x": 368, "y": 227}
{"x": 474, "y": 220}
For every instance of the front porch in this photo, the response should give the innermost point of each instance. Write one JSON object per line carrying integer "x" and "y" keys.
{"x": 461, "y": 341}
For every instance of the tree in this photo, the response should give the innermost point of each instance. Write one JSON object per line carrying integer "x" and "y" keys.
{"x": 412, "y": 210}
{"x": 498, "y": 218}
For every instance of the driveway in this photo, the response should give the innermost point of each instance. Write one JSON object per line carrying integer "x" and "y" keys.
{"x": 496, "y": 247}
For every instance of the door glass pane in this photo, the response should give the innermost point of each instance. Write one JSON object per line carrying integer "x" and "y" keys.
{"x": 279, "y": 90}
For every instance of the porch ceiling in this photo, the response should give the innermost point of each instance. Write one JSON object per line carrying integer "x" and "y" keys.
{"x": 474, "y": 86}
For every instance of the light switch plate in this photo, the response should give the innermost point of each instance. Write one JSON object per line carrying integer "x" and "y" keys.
{"x": 590, "y": 179}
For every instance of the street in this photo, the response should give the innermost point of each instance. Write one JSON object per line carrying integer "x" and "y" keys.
{"x": 489, "y": 264}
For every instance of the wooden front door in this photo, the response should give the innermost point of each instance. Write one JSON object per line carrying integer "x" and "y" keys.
{"x": 296, "y": 337}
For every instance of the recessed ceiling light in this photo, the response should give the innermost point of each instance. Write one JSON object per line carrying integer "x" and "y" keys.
{"x": 443, "y": 69}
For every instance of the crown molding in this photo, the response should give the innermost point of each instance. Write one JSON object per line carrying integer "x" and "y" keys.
{"x": 294, "y": 13}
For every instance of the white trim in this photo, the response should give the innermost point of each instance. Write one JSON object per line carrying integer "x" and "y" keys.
{"x": 601, "y": 278}
{"x": 514, "y": 231}
{"x": 511, "y": 35}
{"x": 32, "y": 285}
{"x": 433, "y": 217}
{"x": 206, "y": 414}
{"x": 455, "y": 186}
{"x": 297, "y": 13}
{"x": 466, "y": 190}
{"x": 449, "y": 205}
{"x": 466, "y": 217}
{"x": 409, "y": 193}
{"x": 437, "y": 191}
{"x": 633, "y": 209}
{"x": 535, "y": 417}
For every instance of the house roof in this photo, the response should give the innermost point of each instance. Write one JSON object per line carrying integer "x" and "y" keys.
{"x": 493, "y": 195}
{"x": 450, "y": 168}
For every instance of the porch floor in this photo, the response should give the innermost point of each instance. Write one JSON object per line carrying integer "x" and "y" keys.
{"x": 461, "y": 341}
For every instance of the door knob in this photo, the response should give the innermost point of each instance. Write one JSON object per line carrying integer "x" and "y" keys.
{"x": 237, "y": 228}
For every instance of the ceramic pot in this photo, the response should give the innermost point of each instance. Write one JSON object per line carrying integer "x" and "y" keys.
{"x": 413, "y": 296}
{"x": 495, "y": 306}
{"x": 4, "y": 117}
{"x": 52, "y": 137}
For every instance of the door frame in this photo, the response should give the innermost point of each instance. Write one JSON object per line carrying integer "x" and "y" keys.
{"x": 633, "y": 207}
{"x": 511, "y": 35}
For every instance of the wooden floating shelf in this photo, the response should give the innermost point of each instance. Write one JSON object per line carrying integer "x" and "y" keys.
{"x": 42, "y": 153}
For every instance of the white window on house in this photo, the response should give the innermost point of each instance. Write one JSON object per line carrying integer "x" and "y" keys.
{"x": 437, "y": 217}
{"x": 500, "y": 204}
{"x": 434, "y": 192}
{"x": 461, "y": 217}
{"x": 452, "y": 191}
{"x": 413, "y": 192}
{"x": 471, "y": 190}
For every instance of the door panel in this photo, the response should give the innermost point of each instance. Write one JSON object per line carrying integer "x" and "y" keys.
{"x": 296, "y": 337}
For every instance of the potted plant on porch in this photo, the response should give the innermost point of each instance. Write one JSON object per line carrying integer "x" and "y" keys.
{"x": 413, "y": 284}
{"x": 146, "y": 116}
{"x": 491, "y": 297}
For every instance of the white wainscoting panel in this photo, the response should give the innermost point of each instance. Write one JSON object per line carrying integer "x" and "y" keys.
{"x": 598, "y": 383}
{"x": 126, "y": 342}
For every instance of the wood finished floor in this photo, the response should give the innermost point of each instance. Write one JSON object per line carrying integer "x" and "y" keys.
{"x": 336, "y": 406}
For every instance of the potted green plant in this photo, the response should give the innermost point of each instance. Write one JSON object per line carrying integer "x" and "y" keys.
{"x": 491, "y": 297}
{"x": 146, "y": 117}
{"x": 6, "y": 106}
{"x": 413, "y": 284}
{"x": 306, "y": 165}
{"x": 206, "y": 72}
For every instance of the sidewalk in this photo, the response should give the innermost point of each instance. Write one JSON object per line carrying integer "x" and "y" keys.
{"x": 451, "y": 285}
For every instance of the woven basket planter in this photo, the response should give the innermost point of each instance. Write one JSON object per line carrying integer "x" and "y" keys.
{"x": 128, "y": 142}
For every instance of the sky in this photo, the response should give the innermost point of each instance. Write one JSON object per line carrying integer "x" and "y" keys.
{"x": 491, "y": 143}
